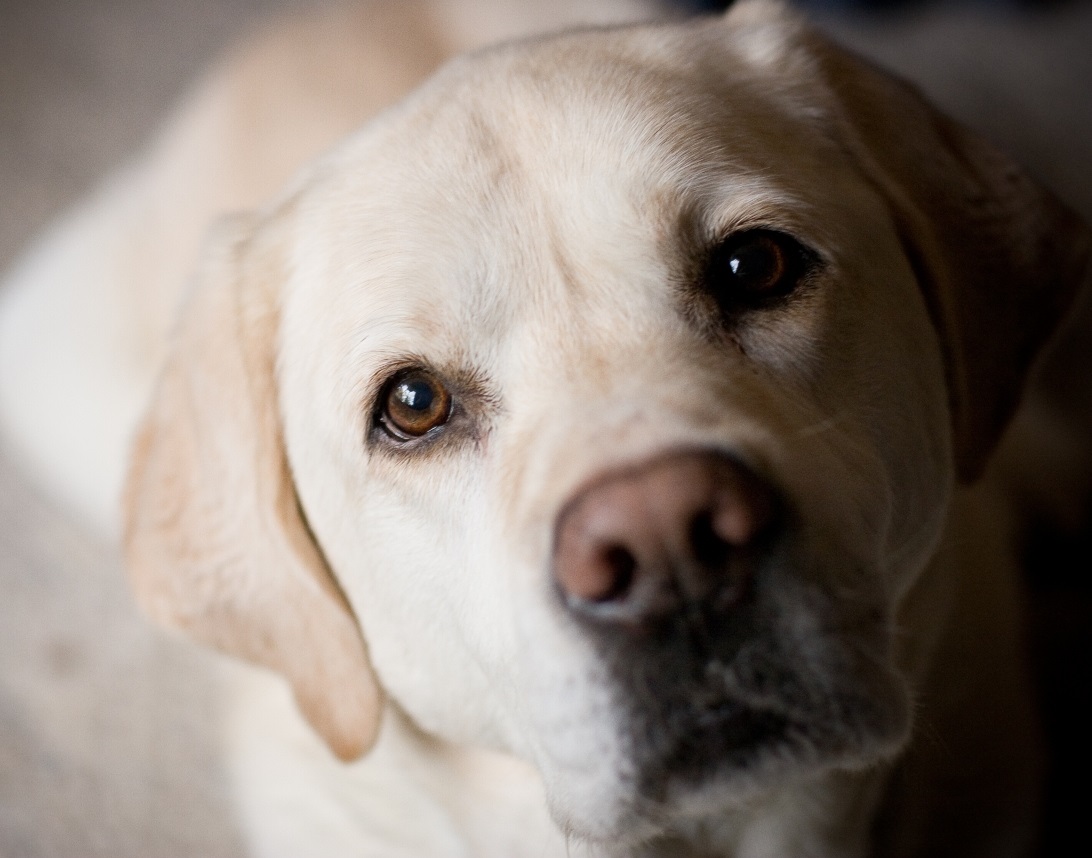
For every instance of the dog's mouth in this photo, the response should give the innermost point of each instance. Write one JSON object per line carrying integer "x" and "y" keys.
{"x": 699, "y": 745}
{"x": 737, "y": 701}
{"x": 763, "y": 702}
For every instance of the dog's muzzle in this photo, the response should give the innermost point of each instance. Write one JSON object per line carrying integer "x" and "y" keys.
{"x": 720, "y": 625}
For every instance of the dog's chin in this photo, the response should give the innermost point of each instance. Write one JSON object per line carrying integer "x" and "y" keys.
{"x": 703, "y": 759}
{"x": 714, "y": 757}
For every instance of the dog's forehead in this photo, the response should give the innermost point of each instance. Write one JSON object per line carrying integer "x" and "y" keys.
{"x": 543, "y": 175}
{"x": 634, "y": 109}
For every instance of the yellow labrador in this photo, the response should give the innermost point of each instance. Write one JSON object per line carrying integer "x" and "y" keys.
{"x": 590, "y": 443}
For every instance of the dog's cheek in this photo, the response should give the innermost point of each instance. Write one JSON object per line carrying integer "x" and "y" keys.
{"x": 404, "y": 540}
{"x": 572, "y": 721}
{"x": 434, "y": 610}
{"x": 910, "y": 425}
{"x": 884, "y": 374}
{"x": 564, "y": 698}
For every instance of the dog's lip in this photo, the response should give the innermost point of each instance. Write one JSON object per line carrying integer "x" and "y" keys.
{"x": 711, "y": 700}
{"x": 727, "y": 721}
{"x": 707, "y": 743}
{"x": 738, "y": 713}
{"x": 721, "y": 726}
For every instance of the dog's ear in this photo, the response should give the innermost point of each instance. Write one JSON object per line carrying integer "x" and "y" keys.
{"x": 215, "y": 540}
{"x": 999, "y": 259}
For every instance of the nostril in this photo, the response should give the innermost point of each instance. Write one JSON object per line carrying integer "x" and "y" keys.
{"x": 709, "y": 546}
{"x": 742, "y": 513}
{"x": 619, "y": 569}
{"x": 594, "y": 572}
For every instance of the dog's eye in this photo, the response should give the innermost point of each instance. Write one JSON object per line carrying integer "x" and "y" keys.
{"x": 414, "y": 403}
{"x": 752, "y": 268}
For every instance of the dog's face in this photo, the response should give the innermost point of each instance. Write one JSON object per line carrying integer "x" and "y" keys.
{"x": 618, "y": 382}
{"x": 595, "y": 261}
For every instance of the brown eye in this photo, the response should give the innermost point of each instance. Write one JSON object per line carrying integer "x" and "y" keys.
{"x": 414, "y": 404}
{"x": 751, "y": 268}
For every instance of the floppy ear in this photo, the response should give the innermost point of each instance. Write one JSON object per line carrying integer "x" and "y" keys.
{"x": 999, "y": 259}
{"x": 215, "y": 540}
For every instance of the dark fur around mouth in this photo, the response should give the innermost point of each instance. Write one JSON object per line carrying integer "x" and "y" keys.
{"x": 735, "y": 697}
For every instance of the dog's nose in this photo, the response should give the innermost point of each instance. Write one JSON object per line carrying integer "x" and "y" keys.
{"x": 674, "y": 533}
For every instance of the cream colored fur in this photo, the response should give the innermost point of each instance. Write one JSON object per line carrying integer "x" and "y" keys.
{"x": 517, "y": 219}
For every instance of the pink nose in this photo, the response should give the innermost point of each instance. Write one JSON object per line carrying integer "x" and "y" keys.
{"x": 673, "y": 533}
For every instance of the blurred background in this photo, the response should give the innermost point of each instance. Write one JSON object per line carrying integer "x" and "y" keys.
{"x": 105, "y": 745}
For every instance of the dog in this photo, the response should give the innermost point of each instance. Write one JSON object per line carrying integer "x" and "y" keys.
{"x": 593, "y": 443}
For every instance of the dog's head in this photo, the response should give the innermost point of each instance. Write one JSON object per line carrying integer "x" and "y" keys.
{"x": 602, "y": 403}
